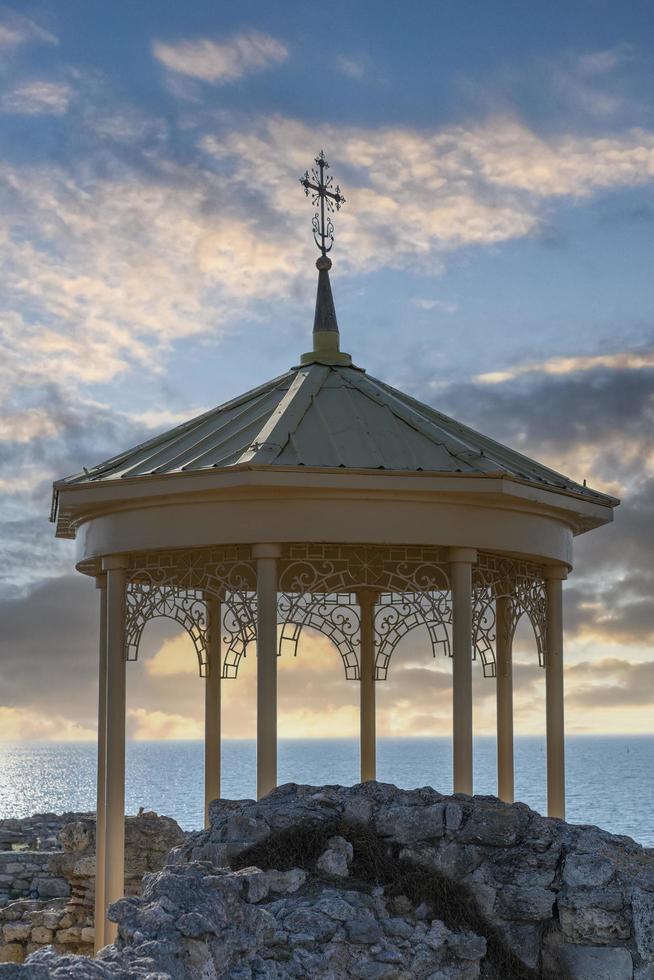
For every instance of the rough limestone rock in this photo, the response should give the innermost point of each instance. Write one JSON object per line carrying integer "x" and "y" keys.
{"x": 376, "y": 883}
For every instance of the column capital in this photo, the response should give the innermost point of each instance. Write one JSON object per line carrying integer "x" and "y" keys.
{"x": 218, "y": 596}
{"x": 468, "y": 555}
{"x": 113, "y": 562}
{"x": 266, "y": 551}
{"x": 367, "y": 596}
{"x": 557, "y": 572}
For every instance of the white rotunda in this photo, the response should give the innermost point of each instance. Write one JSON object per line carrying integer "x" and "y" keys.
{"x": 324, "y": 499}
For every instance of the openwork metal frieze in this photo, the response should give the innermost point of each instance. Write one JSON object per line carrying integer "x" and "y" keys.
{"x": 318, "y": 589}
{"x": 338, "y": 568}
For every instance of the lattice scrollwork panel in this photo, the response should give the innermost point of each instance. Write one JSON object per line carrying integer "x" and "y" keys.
{"x": 145, "y": 602}
{"x": 239, "y": 628}
{"x": 213, "y": 571}
{"x": 176, "y": 584}
{"x": 396, "y": 614}
{"x": 523, "y": 583}
{"x": 335, "y": 616}
{"x": 337, "y": 569}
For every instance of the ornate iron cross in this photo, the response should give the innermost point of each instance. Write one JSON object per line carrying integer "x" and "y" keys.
{"x": 327, "y": 197}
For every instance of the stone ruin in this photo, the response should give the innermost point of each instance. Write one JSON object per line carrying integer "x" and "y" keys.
{"x": 51, "y": 893}
{"x": 26, "y": 846}
{"x": 376, "y": 883}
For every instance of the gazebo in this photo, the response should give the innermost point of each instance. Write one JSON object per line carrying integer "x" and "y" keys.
{"x": 323, "y": 499}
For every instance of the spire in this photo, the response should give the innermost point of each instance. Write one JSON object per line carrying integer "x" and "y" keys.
{"x": 326, "y": 338}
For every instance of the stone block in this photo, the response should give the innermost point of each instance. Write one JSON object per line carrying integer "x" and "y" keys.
{"x": 308, "y": 922}
{"x": 41, "y": 935}
{"x": 492, "y": 826}
{"x": 255, "y": 883}
{"x": 14, "y": 867}
{"x": 51, "y": 920}
{"x": 596, "y": 962}
{"x": 16, "y": 931}
{"x": 52, "y": 887}
{"x": 525, "y": 941}
{"x": 408, "y": 824}
{"x": 594, "y": 916}
{"x": 286, "y": 882}
{"x": 642, "y": 904}
{"x": 525, "y": 904}
{"x": 455, "y": 860}
{"x": 336, "y": 858}
{"x": 363, "y": 929}
{"x": 587, "y": 870}
{"x": 12, "y": 953}
{"x": 453, "y": 816}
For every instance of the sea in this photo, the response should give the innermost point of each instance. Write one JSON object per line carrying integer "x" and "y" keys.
{"x": 610, "y": 780}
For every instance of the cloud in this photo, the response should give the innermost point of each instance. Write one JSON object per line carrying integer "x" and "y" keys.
{"x": 624, "y": 360}
{"x": 110, "y": 259}
{"x": 16, "y": 30}
{"x": 416, "y": 194}
{"x": 220, "y": 62}
{"x": 602, "y": 62}
{"x": 145, "y": 725}
{"x": 445, "y": 306}
{"x": 37, "y": 98}
{"x": 46, "y": 432}
{"x": 594, "y": 422}
{"x": 589, "y": 416}
{"x": 172, "y": 659}
{"x": 353, "y": 66}
{"x": 24, "y": 725}
{"x": 611, "y": 683}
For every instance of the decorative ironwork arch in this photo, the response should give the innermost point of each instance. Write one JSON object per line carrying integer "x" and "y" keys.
{"x": 412, "y": 578}
{"x": 523, "y": 584}
{"x": 176, "y": 585}
{"x": 145, "y": 603}
{"x": 335, "y": 617}
{"x": 399, "y": 613}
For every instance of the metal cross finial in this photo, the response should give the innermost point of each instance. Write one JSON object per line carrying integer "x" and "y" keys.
{"x": 327, "y": 197}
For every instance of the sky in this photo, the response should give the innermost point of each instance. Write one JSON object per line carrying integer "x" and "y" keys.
{"x": 493, "y": 258}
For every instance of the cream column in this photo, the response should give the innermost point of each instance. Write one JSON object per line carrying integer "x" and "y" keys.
{"x": 212, "y": 706}
{"x": 101, "y": 584}
{"x": 266, "y": 556}
{"x": 554, "y": 577}
{"x": 461, "y": 562}
{"x": 366, "y": 599}
{"x": 114, "y": 854}
{"x": 504, "y": 693}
